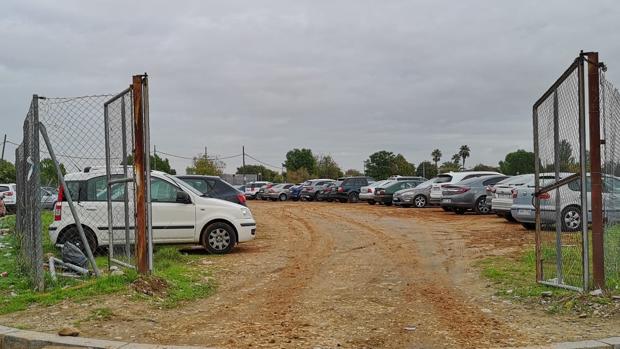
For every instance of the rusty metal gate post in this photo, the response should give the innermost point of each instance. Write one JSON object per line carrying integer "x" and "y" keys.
{"x": 140, "y": 178}
{"x": 598, "y": 252}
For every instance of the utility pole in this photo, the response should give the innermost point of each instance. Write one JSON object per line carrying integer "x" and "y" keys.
{"x": 3, "y": 146}
{"x": 423, "y": 169}
{"x": 243, "y": 152}
{"x": 205, "y": 151}
{"x": 154, "y": 158}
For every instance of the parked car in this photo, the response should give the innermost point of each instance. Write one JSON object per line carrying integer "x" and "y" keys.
{"x": 499, "y": 196}
{"x": 261, "y": 194}
{"x": 214, "y": 187}
{"x": 49, "y": 196}
{"x": 469, "y": 194}
{"x": 10, "y": 196}
{"x": 241, "y": 188}
{"x": 295, "y": 192}
{"x": 180, "y": 213}
{"x": 279, "y": 192}
{"x": 349, "y": 189}
{"x": 406, "y": 178}
{"x": 327, "y": 193}
{"x": 367, "y": 193}
{"x": 452, "y": 178}
{"x": 384, "y": 193}
{"x": 252, "y": 188}
{"x": 570, "y": 202}
{"x": 311, "y": 188}
{"x": 418, "y": 196}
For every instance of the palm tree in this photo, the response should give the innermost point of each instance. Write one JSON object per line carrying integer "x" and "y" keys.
{"x": 436, "y": 154}
{"x": 456, "y": 158}
{"x": 464, "y": 153}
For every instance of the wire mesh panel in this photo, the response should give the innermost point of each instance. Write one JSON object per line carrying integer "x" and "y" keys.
{"x": 76, "y": 133}
{"x": 121, "y": 196}
{"x": 560, "y": 213}
{"x": 610, "y": 124}
{"x": 28, "y": 228}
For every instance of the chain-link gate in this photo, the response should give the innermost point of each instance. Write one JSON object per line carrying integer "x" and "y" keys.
{"x": 610, "y": 118}
{"x": 127, "y": 169}
{"x": 561, "y": 196}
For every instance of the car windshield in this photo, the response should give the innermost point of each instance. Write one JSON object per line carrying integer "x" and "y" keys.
{"x": 379, "y": 183}
{"x": 427, "y": 183}
{"x": 517, "y": 180}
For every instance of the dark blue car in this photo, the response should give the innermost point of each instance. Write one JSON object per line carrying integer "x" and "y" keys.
{"x": 295, "y": 192}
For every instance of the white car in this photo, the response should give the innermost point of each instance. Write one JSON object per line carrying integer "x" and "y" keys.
{"x": 252, "y": 188}
{"x": 452, "y": 178}
{"x": 180, "y": 213}
{"x": 9, "y": 192}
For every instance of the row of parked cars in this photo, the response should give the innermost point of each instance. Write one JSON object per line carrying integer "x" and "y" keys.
{"x": 480, "y": 192}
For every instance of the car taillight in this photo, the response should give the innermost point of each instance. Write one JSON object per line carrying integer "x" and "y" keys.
{"x": 340, "y": 189}
{"x": 514, "y": 193}
{"x": 369, "y": 190}
{"x": 241, "y": 198}
{"x": 8, "y": 193}
{"x": 544, "y": 196}
{"x": 490, "y": 188}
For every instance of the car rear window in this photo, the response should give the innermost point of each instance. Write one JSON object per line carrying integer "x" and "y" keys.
{"x": 443, "y": 179}
{"x": 4, "y": 188}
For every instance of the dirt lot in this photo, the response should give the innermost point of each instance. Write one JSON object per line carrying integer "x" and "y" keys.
{"x": 333, "y": 275}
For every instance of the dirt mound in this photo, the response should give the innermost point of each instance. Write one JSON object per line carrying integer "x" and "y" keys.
{"x": 151, "y": 286}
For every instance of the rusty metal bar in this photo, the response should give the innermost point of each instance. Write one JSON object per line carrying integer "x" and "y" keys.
{"x": 595, "y": 171}
{"x": 537, "y": 236}
{"x": 139, "y": 173}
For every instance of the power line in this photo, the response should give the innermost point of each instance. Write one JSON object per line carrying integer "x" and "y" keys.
{"x": 262, "y": 162}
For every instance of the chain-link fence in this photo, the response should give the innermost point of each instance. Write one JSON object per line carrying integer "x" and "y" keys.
{"x": 610, "y": 120}
{"x": 560, "y": 196}
{"x": 28, "y": 220}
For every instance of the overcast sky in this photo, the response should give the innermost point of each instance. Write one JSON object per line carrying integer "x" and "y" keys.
{"x": 345, "y": 78}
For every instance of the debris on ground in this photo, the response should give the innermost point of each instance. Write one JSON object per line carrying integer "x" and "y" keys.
{"x": 117, "y": 273}
{"x": 4, "y": 274}
{"x": 597, "y": 292}
{"x": 69, "y": 332}
{"x": 73, "y": 255}
{"x": 547, "y": 293}
{"x": 151, "y": 286}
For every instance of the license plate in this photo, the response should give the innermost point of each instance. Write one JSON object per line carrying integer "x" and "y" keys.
{"x": 524, "y": 212}
{"x": 447, "y": 201}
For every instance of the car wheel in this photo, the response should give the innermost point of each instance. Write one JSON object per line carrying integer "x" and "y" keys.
{"x": 509, "y": 217}
{"x": 371, "y": 202}
{"x": 459, "y": 210}
{"x": 282, "y": 197}
{"x": 420, "y": 201}
{"x": 353, "y": 197}
{"x": 481, "y": 206}
{"x": 571, "y": 218}
{"x": 529, "y": 226}
{"x": 295, "y": 199}
{"x": 219, "y": 238}
{"x": 72, "y": 235}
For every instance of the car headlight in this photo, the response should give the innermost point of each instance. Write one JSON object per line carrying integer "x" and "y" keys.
{"x": 245, "y": 212}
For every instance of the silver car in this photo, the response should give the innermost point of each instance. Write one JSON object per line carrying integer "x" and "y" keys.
{"x": 469, "y": 194}
{"x": 278, "y": 192}
{"x": 367, "y": 193}
{"x": 418, "y": 196}
{"x": 313, "y": 187}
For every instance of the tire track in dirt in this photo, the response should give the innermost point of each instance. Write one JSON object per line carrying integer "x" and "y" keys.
{"x": 465, "y": 322}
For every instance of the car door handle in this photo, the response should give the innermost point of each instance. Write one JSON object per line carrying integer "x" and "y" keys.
{"x": 90, "y": 208}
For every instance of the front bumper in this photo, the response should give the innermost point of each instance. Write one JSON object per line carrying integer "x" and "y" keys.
{"x": 402, "y": 200}
{"x": 246, "y": 230}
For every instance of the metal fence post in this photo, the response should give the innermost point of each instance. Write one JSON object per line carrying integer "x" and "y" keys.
{"x": 598, "y": 252}
{"x": 61, "y": 179}
{"x": 140, "y": 178}
{"x": 537, "y": 236}
{"x": 583, "y": 169}
{"x": 147, "y": 147}
{"x": 558, "y": 203}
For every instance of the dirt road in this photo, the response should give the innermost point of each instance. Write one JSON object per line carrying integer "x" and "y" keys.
{"x": 333, "y": 275}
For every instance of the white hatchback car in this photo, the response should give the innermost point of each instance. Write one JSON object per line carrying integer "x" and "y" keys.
{"x": 180, "y": 213}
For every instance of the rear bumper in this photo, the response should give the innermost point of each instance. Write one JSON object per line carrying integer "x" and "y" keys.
{"x": 367, "y": 196}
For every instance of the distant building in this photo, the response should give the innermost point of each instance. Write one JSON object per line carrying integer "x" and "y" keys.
{"x": 238, "y": 179}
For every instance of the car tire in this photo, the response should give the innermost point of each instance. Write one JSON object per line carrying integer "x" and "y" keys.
{"x": 353, "y": 197}
{"x": 219, "y": 238}
{"x": 529, "y": 226}
{"x": 371, "y": 202}
{"x": 295, "y": 199}
{"x": 72, "y": 235}
{"x": 572, "y": 219}
{"x": 459, "y": 210}
{"x": 282, "y": 197}
{"x": 509, "y": 217}
{"x": 420, "y": 201}
{"x": 480, "y": 207}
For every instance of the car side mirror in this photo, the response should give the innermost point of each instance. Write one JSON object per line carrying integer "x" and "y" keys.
{"x": 183, "y": 197}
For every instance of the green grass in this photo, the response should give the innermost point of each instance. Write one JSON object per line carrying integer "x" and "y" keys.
{"x": 186, "y": 279}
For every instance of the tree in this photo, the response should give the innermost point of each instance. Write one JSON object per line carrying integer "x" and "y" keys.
{"x": 436, "y": 154}
{"x": 7, "y": 172}
{"x": 265, "y": 173}
{"x": 464, "y": 153}
{"x": 160, "y": 164}
{"x": 401, "y": 166}
{"x": 203, "y": 165}
{"x": 297, "y": 176}
{"x": 326, "y": 167}
{"x": 426, "y": 169}
{"x": 567, "y": 161}
{"x": 300, "y": 158}
{"x": 456, "y": 158}
{"x": 517, "y": 162}
{"x": 379, "y": 165}
{"x": 49, "y": 176}
{"x": 449, "y": 166}
{"x": 352, "y": 173}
